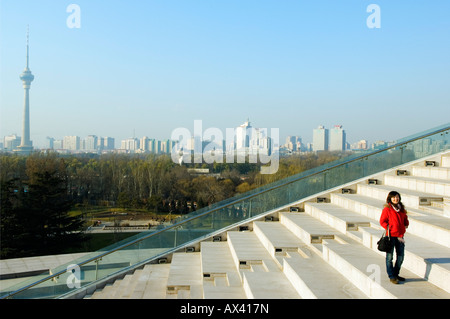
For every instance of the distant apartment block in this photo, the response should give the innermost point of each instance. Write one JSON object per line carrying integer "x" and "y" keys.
{"x": 130, "y": 144}
{"x": 107, "y": 143}
{"x": 145, "y": 144}
{"x": 320, "y": 139}
{"x": 71, "y": 143}
{"x": 337, "y": 139}
{"x": 11, "y": 142}
{"x": 50, "y": 143}
{"x": 91, "y": 143}
{"x": 58, "y": 145}
{"x": 334, "y": 139}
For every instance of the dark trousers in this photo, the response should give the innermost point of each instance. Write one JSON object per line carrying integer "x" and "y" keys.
{"x": 392, "y": 270}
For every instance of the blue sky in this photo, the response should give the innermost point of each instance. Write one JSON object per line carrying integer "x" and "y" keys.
{"x": 148, "y": 67}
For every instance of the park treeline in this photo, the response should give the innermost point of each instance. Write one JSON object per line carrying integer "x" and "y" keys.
{"x": 152, "y": 182}
{"x": 39, "y": 191}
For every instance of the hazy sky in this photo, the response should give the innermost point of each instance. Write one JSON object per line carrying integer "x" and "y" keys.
{"x": 148, "y": 67}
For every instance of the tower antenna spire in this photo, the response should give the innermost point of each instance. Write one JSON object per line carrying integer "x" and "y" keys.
{"x": 28, "y": 42}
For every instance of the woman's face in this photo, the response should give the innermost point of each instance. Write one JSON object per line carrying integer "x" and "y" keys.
{"x": 395, "y": 199}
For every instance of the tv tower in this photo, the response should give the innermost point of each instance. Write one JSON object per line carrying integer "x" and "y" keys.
{"x": 26, "y": 146}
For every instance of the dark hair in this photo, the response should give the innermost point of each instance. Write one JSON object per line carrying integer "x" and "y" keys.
{"x": 393, "y": 194}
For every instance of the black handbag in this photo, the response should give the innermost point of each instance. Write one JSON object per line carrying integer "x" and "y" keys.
{"x": 385, "y": 243}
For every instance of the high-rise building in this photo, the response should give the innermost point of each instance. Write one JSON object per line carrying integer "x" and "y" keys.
{"x": 151, "y": 145}
{"x": 145, "y": 144}
{"x": 337, "y": 141}
{"x": 26, "y": 146}
{"x": 166, "y": 146}
{"x": 243, "y": 135}
{"x": 71, "y": 143}
{"x": 108, "y": 143}
{"x": 320, "y": 139}
{"x": 91, "y": 143}
{"x": 58, "y": 144}
{"x": 50, "y": 143}
{"x": 130, "y": 144}
{"x": 11, "y": 142}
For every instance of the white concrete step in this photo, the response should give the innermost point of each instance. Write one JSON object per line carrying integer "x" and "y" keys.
{"x": 307, "y": 272}
{"x": 111, "y": 291}
{"x": 272, "y": 285}
{"x": 336, "y": 216}
{"x": 445, "y": 161}
{"x": 185, "y": 276}
{"x": 436, "y": 208}
{"x": 248, "y": 252}
{"x": 221, "y": 279}
{"x": 431, "y": 172}
{"x": 147, "y": 283}
{"x": 128, "y": 285}
{"x": 277, "y": 239}
{"x": 309, "y": 229}
{"x": 105, "y": 293}
{"x": 429, "y": 226}
{"x": 428, "y": 185}
{"x": 422, "y": 257}
{"x": 127, "y": 290}
{"x": 155, "y": 281}
{"x": 314, "y": 278}
{"x": 141, "y": 279}
{"x": 446, "y": 209}
{"x": 261, "y": 276}
{"x": 411, "y": 198}
{"x": 366, "y": 269}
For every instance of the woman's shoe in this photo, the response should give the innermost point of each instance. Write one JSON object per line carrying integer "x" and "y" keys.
{"x": 394, "y": 281}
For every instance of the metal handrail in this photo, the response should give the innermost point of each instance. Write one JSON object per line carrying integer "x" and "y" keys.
{"x": 57, "y": 274}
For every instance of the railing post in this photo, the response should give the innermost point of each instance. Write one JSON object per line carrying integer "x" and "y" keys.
{"x": 96, "y": 268}
{"x": 364, "y": 162}
{"x": 402, "y": 147}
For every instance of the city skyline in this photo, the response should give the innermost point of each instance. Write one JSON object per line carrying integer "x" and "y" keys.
{"x": 150, "y": 68}
{"x": 244, "y": 136}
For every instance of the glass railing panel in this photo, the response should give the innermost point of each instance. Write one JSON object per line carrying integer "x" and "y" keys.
{"x": 34, "y": 292}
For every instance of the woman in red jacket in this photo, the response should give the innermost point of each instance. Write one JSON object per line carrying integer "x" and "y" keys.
{"x": 394, "y": 216}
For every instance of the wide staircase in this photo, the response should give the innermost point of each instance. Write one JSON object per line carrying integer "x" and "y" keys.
{"x": 323, "y": 245}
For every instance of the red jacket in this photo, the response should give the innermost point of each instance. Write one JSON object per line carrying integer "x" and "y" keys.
{"x": 397, "y": 221}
